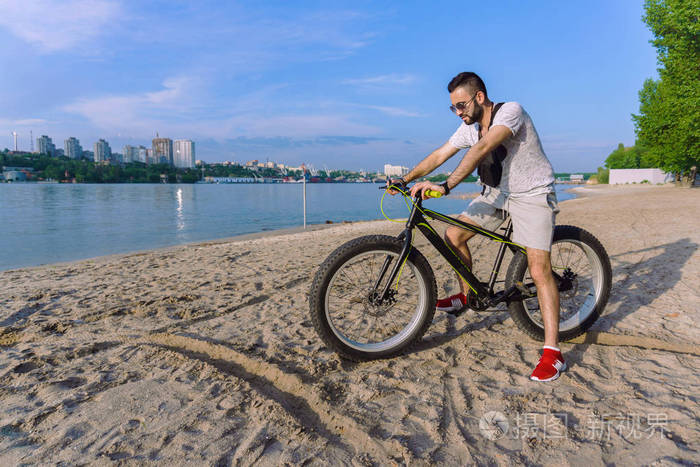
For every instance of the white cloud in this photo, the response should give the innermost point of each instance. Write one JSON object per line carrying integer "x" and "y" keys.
{"x": 176, "y": 110}
{"x": 388, "y": 110}
{"x": 140, "y": 112}
{"x": 298, "y": 126}
{"x": 393, "y": 111}
{"x": 32, "y": 121}
{"x": 56, "y": 25}
{"x": 382, "y": 80}
{"x": 23, "y": 122}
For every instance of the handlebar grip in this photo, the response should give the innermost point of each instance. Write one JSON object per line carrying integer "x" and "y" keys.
{"x": 433, "y": 193}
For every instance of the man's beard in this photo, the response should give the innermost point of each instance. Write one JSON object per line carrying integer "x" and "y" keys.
{"x": 478, "y": 112}
{"x": 476, "y": 115}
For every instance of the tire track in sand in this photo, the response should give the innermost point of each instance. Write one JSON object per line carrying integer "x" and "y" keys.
{"x": 623, "y": 340}
{"x": 287, "y": 389}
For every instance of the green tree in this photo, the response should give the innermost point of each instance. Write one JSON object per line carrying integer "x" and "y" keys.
{"x": 603, "y": 175}
{"x": 53, "y": 172}
{"x": 668, "y": 123}
{"x": 635, "y": 157}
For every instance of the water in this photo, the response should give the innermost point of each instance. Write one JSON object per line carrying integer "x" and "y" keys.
{"x": 49, "y": 223}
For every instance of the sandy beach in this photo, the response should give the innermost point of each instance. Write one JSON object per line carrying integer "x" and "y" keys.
{"x": 205, "y": 354}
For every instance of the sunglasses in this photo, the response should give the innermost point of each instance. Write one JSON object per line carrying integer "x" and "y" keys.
{"x": 461, "y": 106}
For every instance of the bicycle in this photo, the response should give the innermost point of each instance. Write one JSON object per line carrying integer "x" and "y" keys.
{"x": 375, "y": 296}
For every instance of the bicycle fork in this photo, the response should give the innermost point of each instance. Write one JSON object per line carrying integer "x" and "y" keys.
{"x": 377, "y": 298}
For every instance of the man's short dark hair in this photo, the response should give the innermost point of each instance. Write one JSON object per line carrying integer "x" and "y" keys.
{"x": 468, "y": 79}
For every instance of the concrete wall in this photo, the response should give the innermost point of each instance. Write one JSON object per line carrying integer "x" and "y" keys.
{"x": 654, "y": 176}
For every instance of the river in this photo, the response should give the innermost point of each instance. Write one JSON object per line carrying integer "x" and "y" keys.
{"x": 49, "y": 223}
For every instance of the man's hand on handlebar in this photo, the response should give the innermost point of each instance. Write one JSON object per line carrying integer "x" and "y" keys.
{"x": 423, "y": 187}
{"x": 400, "y": 182}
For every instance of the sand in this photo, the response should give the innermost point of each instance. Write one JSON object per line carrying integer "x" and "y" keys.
{"x": 205, "y": 354}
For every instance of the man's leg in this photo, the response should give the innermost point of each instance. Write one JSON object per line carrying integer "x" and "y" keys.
{"x": 457, "y": 239}
{"x": 533, "y": 226}
{"x": 540, "y": 266}
{"x": 483, "y": 211}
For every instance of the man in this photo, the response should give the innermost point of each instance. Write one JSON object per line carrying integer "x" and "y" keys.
{"x": 525, "y": 191}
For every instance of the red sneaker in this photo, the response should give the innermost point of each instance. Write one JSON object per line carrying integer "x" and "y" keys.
{"x": 550, "y": 366}
{"x": 452, "y": 304}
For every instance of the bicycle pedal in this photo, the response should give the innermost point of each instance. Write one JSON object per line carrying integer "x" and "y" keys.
{"x": 524, "y": 290}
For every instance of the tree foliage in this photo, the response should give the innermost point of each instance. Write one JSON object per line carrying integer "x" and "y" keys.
{"x": 603, "y": 175}
{"x": 668, "y": 123}
{"x": 439, "y": 178}
{"x": 84, "y": 171}
{"x": 636, "y": 157}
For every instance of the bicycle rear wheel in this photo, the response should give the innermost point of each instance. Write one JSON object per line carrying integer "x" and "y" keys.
{"x": 342, "y": 305}
{"x": 579, "y": 258}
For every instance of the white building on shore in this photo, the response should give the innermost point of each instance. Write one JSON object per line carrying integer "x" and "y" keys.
{"x": 653, "y": 176}
{"x": 44, "y": 145}
{"x": 183, "y": 153}
{"x": 395, "y": 170}
{"x": 131, "y": 154}
{"x": 103, "y": 153}
{"x": 72, "y": 148}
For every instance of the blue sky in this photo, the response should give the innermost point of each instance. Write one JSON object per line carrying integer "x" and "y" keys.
{"x": 337, "y": 84}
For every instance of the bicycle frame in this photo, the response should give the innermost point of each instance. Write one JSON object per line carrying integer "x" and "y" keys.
{"x": 483, "y": 293}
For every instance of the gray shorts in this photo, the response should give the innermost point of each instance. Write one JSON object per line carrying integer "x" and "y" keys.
{"x": 533, "y": 215}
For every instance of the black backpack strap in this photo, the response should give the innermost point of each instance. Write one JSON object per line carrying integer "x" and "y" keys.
{"x": 490, "y": 169}
{"x": 493, "y": 114}
{"x": 500, "y": 152}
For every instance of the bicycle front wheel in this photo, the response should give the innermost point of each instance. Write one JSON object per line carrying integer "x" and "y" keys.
{"x": 579, "y": 258}
{"x": 343, "y": 304}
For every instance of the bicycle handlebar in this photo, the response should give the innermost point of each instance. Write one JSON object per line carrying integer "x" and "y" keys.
{"x": 401, "y": 187}
{"x": 433, "y": 193}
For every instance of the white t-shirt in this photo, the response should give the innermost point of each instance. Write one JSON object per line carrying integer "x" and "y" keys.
{"x": 526, "y": 169}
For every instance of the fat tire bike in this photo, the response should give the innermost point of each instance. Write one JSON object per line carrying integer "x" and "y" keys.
{"x": 374, "y": 296}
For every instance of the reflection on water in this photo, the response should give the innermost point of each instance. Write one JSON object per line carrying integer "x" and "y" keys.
{"x": 180, "y": 216}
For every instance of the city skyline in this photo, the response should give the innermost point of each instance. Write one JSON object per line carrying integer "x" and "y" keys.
{"x": 146, "y": 155}
{"x": 355, "y": 85}
{"x": 183, "y": 156}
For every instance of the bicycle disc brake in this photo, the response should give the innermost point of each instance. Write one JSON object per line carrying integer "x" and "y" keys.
{"x": 376, "y": 307}
{"x": 569, "y": 284}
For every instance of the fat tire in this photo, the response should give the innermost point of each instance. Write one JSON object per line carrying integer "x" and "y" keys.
{"x": 518, "y": 267}
{"x": 342, "y": 255}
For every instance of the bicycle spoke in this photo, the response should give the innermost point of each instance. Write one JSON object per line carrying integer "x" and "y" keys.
{"x": 351, "y": 270}
{"x": 568, "y": 260}
{"x": 375, "y": 329}
{"x": 346, "y": 279}
{"x": 358, "y": 278}
{"x": 342, "y": 296}
{"x": 561, "y": 260}
{"x": 368, "y": 267}
{"x": 371, "y": 268}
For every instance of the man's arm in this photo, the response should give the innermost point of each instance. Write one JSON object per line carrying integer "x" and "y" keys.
{"x": 471, "y": 159}
{"x": 496, "y": 135}
{"x": 434, "y": 160}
